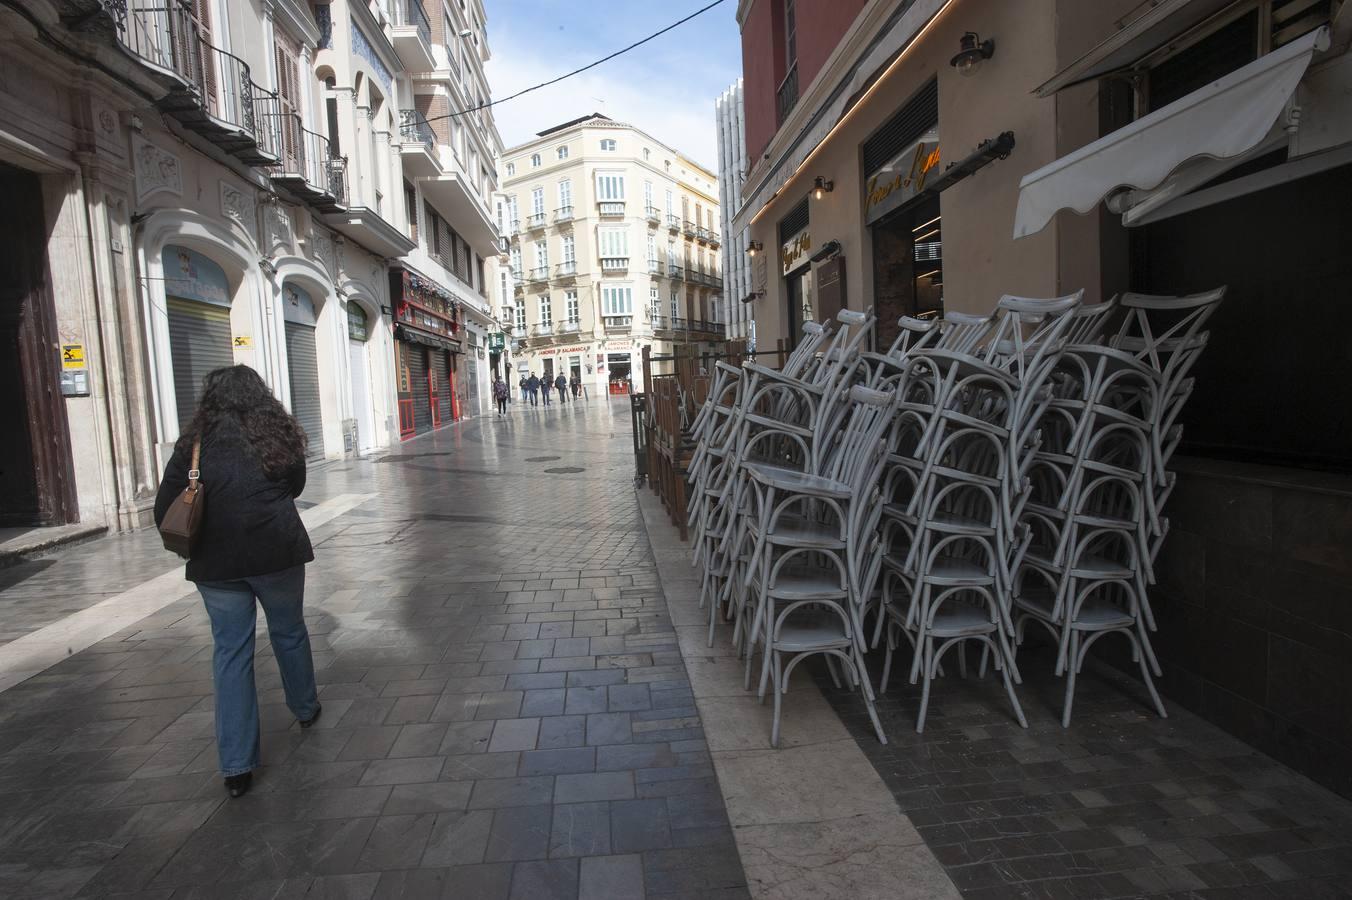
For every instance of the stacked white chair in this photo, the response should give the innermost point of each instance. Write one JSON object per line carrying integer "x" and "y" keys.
{"x": 967, "y": 435}
{"x": 1100, "y": 483}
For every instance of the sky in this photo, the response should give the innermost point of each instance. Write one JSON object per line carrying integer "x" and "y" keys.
{"x": 667, "y": 87}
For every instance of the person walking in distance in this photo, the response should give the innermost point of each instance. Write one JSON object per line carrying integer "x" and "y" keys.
{"x": 546, "y": 383}
{"x": 251, "y": 550}
{"x": 500, "y": 394}
{"x": 533, "y": 388}
{"x": 562, "y": 384}
{"x": 576, "y": 384}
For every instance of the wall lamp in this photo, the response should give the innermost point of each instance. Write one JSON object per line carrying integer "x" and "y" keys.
{"x": 974, "y": 51}
{"x": 754, "y": 247}
{"x": 821, "y": 187}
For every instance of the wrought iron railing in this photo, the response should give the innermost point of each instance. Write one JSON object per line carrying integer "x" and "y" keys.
{"x": 788, "y": 93}
{"x": 673, "y": 222}
{"x": 536, "y": 220}
{"x": 654, "y": 215}
{"x": 415, "y": 129}
{"x": 563, "y": 214}
{"x": 539, "y": 273}
{"x": 566, "y": 269}
{"x": 676, "y": 271}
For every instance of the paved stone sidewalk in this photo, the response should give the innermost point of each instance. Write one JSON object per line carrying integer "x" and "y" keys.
{"x": 506, "y": 713}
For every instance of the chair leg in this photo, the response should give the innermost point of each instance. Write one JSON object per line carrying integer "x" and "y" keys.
{"x": 887, "y": 660}
{"x": 1073, "y": 669}
{"x": 1008, "y": 671}
{"x": 778, "y": 677}
{"x": 834, "y": 670}
{"x": 925, "y": 691}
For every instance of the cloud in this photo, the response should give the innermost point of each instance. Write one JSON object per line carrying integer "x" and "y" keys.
{"x": 643, "y": 89}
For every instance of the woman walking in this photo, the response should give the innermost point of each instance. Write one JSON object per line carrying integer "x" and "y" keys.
{"x": 252, "y": 548}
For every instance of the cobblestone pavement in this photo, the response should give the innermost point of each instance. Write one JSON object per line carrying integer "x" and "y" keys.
{"x": 506, "y": 714}
{"x": 1121, "y": 804}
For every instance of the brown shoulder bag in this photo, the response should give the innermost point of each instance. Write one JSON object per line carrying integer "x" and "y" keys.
{"x": 183, "y": 520}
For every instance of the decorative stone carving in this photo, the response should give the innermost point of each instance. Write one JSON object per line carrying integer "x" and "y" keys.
{"x": 238, "y": 206}
{"x": 321, "y": 248}
{"x": 279, "y": 229}
{"x": 156, "y": 170}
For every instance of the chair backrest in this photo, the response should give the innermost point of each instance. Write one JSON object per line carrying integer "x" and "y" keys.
{"x": 1088, "y": 321}
{"x": 860, "y": 451}
{"x": 1029, "y": 334}
{"x": 1166, "y": 332}
{"x": 914, "y": 333}
{"x": 963, "y": 332}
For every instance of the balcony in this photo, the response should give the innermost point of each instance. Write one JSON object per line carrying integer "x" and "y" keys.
{"x": 563, "y": 214}
{"x": 613, "y": 264}
{"x": 690, "y": 229}
{"x": 702, "y": 234}
{"x": 714, "y": 239}
{"x": 618, "y": 323}
{"x": 516, "y": 226}
{"x": 654, "y": 215}
{"x": 610, "y": 208}
{"x": 566, "y": 270}
{"x": 788, "y": 93}
{"x": 682, "y": 329}
{"x": 418, "y": 144}
{"x": 411, "y": 35}
{"x": 544, "y": 329}
{"x": 536, "y": 220}
{"x": 539, "y": 273}
{"x": 307, "y": 168}
{"x": 572, "y": 326}
{"x": 676, "y": 271}
{"x": 655, "y": 267}
{"x": 209, "y": 90}
{"x": 673, "y": 222}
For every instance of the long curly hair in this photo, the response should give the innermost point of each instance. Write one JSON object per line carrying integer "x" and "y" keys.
{"x": 237, "y": 396}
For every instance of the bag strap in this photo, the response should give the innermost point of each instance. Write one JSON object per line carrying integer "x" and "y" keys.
{"x": 195, "y": 473}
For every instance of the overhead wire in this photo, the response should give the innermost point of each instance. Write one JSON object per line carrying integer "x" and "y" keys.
{"x": 591, "y": 65}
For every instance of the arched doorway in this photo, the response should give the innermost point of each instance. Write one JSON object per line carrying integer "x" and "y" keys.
{"x": 197, "y": 302}
{"x": 300, "y": 316}
{"x": 358, "y": 336}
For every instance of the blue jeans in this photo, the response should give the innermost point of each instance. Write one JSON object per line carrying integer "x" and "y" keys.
{"x": 230, "y": 604}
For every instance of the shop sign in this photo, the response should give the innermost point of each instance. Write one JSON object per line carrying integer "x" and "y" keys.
{"x": 796, "y": 252}
{"x": 497, "y": 341}
{"x": 555, "y": 351}
{"x": 903, "y": 178}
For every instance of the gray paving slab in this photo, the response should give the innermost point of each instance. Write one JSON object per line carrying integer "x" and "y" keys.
{"x": 503, "y": 700}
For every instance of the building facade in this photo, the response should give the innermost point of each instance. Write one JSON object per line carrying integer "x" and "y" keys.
{"x": 614, "y": 248}
{"x": 916, "y": 156}
{"x": 207, "y": 183}
{"x": 732, "y": 166}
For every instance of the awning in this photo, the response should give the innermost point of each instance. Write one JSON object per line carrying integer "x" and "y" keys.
{"x": 1224, "y": 120}
{"x": 1156, "y": 26}
{"x": 404, "y": 333}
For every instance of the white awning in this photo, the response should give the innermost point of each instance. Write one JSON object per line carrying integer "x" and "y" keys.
{"x": 1227, "y": 118}
{"x": 1157, "y": 25}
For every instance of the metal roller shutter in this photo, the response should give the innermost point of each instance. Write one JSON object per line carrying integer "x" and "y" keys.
{"x": 199, "y": 341}
{"x": 303, "y": 372}
{"x": 441, "y": 363}
{"x": 417, "y": 378}
{"x": 919, "y": 114}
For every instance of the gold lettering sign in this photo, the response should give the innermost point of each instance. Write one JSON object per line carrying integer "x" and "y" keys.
{"x": 884, "y": 194}
{"x": 794, "y": 251}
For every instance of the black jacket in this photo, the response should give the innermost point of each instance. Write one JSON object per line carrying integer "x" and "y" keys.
{"x": 251, "y": 526}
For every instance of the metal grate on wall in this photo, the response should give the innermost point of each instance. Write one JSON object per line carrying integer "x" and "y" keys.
{"x": 794, "y": 222}
{"x": 917, "y": 116}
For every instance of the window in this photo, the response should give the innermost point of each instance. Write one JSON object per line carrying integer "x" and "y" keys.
{"x": 654, "y": 301}
{"x": 569, "y": 250}
{"x": 647, "y": 154}
{"x": 516, "y": 212}
{"x": 516, "y": 262}
{"x": 565, "y": 194}
{"x": 647, "y": 195}
{"x": 617, "y": 300}
{"x": 537, "y": 201}
{"x": 511, "y": 169}
{"x": 432, "y": 222}
{"x": 675, "y": 304}
{"x": 609, "y": 187}
{"x": 501, "y": 206}
{"x": 570, "y": 306}
{"x": 562, "y": 152}
{"x": 519, "y": 315}
{"x": 535, "y": 161}
{"x": 671, "y": 253}
{"x": 608, "y": 144}
{"x": 504, "y": 292}
{"x": 652, "y": 251}
{"x": 542, "y": 254}
{"x": 614, "y": 242}
{"x": 671, "y": 203}
{"x": 411, "y": 208}
{"x": 546, "y": 311}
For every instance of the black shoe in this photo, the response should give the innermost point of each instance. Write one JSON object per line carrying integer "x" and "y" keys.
{"x": 306, "y": 723}
{"x": 238, "y": 785}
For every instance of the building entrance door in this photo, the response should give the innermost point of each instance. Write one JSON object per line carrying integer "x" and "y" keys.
{"x": 36, "y": 484}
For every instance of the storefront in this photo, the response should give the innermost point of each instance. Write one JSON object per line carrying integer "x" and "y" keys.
{"x": 427, "y": 349}
{"x": 795, "y": 265}
{"x": 901, "y": 211}
{"x": 358, "y": 337}
{"x": 197, "y": 300}
{"x": 302, "y": 357}
{"x": 615, "y": 366}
